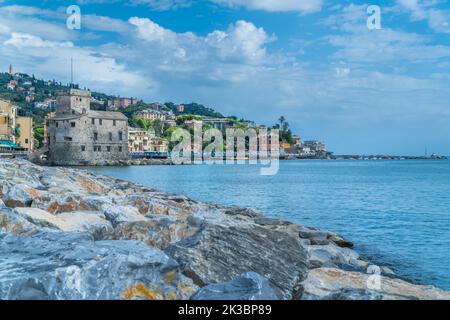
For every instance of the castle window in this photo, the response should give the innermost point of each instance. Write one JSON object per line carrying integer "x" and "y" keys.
{"x": 56, "y": 123}
{"x": 72, "y": 124}
{"x": 83, "y": 148}
{"x": 110, "y": 136}
{"x": 93, "y": 121}
{"x": 120, "y": 135}
{"x": 120, "y": 149}
{"x": 67, "y": 139}
{"x": 108, "y": 148}
{"x": 100, "y": 121}
{"x": 95, "y": 136}
{"x": 114, "y": 122}
{"x": 97, "y": 148}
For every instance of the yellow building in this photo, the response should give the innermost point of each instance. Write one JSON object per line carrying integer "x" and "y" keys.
{"x": 25, "y": 138}
{"x": 286, "y": 145}
{"x": 159, "y": 145}
{"x": 140, "y": 140}
{"x": 18, "y": 130}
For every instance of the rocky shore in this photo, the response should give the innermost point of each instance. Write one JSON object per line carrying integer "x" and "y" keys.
{"x": 70, "y": 234}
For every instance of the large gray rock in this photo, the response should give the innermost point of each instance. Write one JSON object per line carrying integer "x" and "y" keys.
{"x": 19, "y": 195}
{"x": 333, "y": 283}
{"x": 221, "y": 253}
{"x": 72, "y": 266}
{"x": 120, "y": 214}
{"x": 249, "y": 286}
{"x": 91, "y": 222}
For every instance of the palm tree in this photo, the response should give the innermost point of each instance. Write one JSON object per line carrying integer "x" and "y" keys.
{"x": 285, "y": 126}
{"x": 282, "y": 119}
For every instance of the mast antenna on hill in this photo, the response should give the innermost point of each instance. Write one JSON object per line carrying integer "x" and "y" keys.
{"x": 71, "y": 71}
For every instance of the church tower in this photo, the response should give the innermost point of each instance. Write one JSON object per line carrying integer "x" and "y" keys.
{"x": 10, "y": 70}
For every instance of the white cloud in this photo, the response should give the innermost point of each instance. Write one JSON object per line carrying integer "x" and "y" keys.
{"x": 150, "y": 31}
{"x": 24, "y": 41}
{"x": 303, "y": 6}
{"x": 163, "y": 4}
{"x": 242, "y": 41}
{"x": 438, "y": 20}
{"x": 356, "y": 43}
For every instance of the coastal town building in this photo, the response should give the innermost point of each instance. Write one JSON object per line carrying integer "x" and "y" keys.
{"x": 193, "y": 123}
{"x": 180, "y": 108}
{"x": 313, "y": 148}
{"x": 140, "y": 140}
{"x": 166, "y": 117}
{"x": 25, "y": 137}
{"x": 16, "y": 130}
{"x": 219, "y": 123}
{"x": 77, "y": 135}
{"x": 151, "y": 114}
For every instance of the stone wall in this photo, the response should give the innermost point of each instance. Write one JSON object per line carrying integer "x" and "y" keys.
{"x": 73, "y": 143}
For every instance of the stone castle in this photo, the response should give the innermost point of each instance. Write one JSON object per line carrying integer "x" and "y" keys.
{"x": 77, "y": 135}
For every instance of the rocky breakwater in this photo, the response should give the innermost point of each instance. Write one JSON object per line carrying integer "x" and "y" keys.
{"x": 69, "y": 234}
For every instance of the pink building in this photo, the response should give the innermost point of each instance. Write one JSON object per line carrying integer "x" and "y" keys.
{"x": 124, "y": 102}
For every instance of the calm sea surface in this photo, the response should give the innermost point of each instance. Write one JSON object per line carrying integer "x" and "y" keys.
{"x": 396, "y": 212}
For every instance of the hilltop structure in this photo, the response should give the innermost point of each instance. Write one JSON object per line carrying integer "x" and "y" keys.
{"x": 77, "y": 135}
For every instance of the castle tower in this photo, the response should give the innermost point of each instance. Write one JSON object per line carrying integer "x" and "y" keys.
{"x": 73, "y": 101}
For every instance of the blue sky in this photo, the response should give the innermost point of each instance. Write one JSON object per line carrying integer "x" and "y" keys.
{"x": 313, "y": 61}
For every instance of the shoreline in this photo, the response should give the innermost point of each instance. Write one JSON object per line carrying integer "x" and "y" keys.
{"x": 54, "y": 203}
{"x": 168, "y": 162}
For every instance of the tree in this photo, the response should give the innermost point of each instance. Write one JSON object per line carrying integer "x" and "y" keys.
{"x": 282, "y": 119}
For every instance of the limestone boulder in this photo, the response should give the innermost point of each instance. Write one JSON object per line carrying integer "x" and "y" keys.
{"x": 122, "y": 214}
{"x": 94, "y": 223}
{"x": 70, "y": 266}
{"x": 248, "y": 286}
{"x": 219, "y": 253}
{"x": 157, "y": 231}
{"x": 332, "y": 283}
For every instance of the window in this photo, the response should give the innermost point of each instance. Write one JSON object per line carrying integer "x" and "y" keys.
{"x": 26, "y": 141}
{"x": 93, "y": 121}
{"x": 83, "y": 148}
{"x": 110, "y": 136}
{"x": 95, "y": 136}
{"x": 67, "y": 139}
{"x": 100, "y": 121}
{"x": 120, "y": 135}
{"x": 114, "y": 122}
{"x": 57, "y": 124}
{"x": 108, "y": 148}
{"x": 120, "y": 149}
{"x": 97, "y": 148}
{"x": 72, "y": 124}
